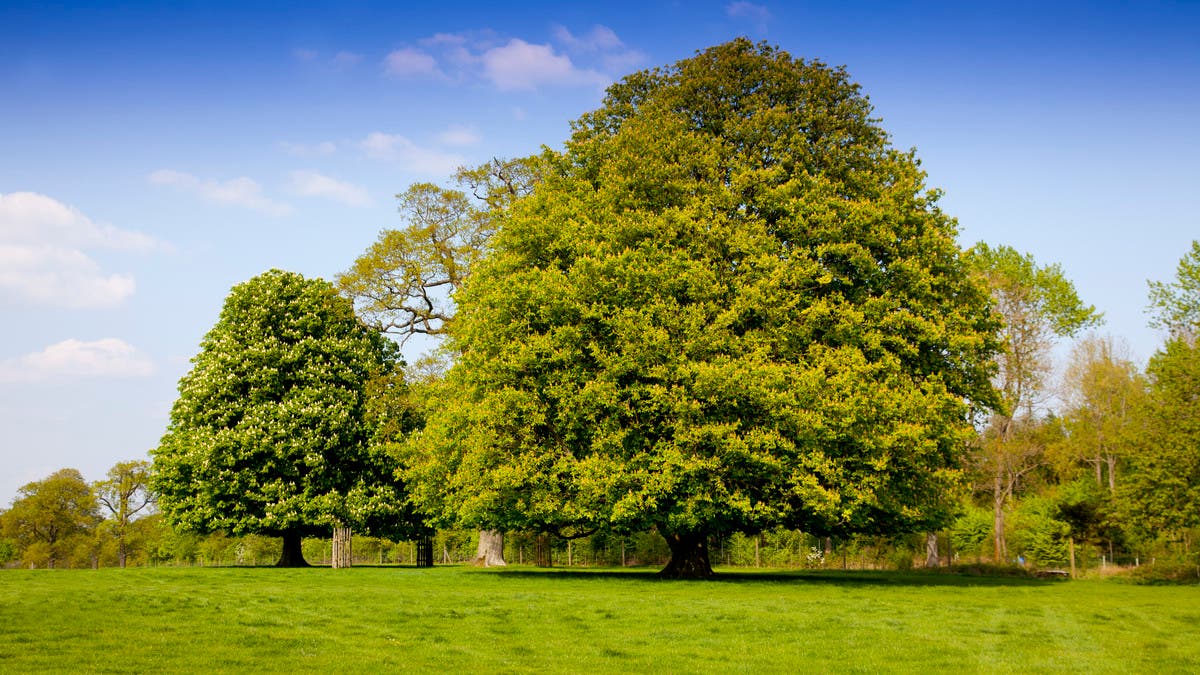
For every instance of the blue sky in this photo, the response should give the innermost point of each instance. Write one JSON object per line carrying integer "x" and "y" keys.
{"x": 154, "y": 154}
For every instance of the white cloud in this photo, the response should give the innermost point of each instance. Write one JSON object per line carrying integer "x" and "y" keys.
{"x": 313, "y": 184}
{"x": 74, "y": 359}
{"x": 301, "y": 54}
{"x": 32, "y": 218}
{"x": 396, "y": 148}
{"x": 241, "y": 191}
{"x": 61, "y": 277}
{"x": 520, "y": 65}
{"x": 589, "y": 59}
{"x": 321, "y": 149}
{"x": 758, "y": 14}
{"x": 43, "y": 258}
{"x": 410, "y": 62}
{"x": 600, "y": 38}
{"x": 459, "y": 136}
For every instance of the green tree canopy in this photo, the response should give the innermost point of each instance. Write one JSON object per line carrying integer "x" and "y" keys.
{"x": 1175, "y": 306}
{"x": 1162, "y": 495}
{"x": 124, "y": 493}
{"x": 729, "y": 304}
{"x": 269, "y": 434}
{"x": 49, "y": 514}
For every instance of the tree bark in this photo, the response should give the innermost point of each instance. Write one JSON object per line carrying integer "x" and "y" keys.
{"x": 292, "y": 555}
{"x": 931, "y": 550}
{"x": 1071, "y": 549}
{"x": 542, "y": 553}
{"x": 999, "y": 497}
{"x": 491, "y": 549}
{"x": 343, "y": 551}
{"x": 424, "y": 554}
{"x": 689, "y": 556}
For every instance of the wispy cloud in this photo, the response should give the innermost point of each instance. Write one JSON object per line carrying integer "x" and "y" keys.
{"x": 340, "y": 61}
{"x": 520, "y": 65}
{"x": 346, "y": 60}
{"x": 44, "y": 259}
{"x": 514, "y": 64}
{"x": 411, "y": 62}
{"x": 458, "y": 135}
{"x": 313, "y": 184}
{"x": 243, "y": 191}
{"x": 75, "y": 359}
{"x": 748, "y": 11}
{"x": 399, "y": 149}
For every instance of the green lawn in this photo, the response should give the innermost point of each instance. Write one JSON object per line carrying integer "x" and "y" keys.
{"x": 524, "y": 620}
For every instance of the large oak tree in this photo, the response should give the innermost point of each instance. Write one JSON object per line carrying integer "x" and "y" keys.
{"x": 729, "y": 304}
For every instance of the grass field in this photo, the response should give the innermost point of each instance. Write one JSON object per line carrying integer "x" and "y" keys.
{"x": 454, "y": 619}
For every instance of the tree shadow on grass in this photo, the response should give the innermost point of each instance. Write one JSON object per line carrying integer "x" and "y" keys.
{"x": 966, "y": 578}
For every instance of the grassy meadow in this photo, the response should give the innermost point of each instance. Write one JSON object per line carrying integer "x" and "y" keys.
{"x": 459, "y": 619}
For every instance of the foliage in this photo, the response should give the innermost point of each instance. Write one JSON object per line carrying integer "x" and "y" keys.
{"x": 404, "y": 283}
{"x": 124, "y": 493}
{"x": 728, "y": 305}
{"x": 1037, "y": 304}
{"x": 1037, "y": 533}
{"x": 1175, "y": 306}
{"x": 51, "y": 518}
{"x": 1162, "y": 493}
{"x": 1103, "y": 392}
{"x": 466, "y": 620}
{"x": 970, "y": 531}
{"x": 269, "y": 434}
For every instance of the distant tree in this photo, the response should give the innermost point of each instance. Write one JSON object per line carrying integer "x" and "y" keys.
{"x": 1037, "y": 305}
{"x": 1175, "y": 306}
{"x": 728, "y": 305}
{"x": 124, "y": 493}
{"x": 270, "y": 434}
{"x": 1102, "y": 394}
{"x": 405, "y": 283}
{"x": 1162, "y": 493}
{"x": 48, "y": 517}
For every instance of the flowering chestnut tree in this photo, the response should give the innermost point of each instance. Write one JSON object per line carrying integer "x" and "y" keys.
{"x": 271, "y": 433}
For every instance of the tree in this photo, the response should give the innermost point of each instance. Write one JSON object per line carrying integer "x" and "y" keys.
{"x": 1175, "y": 306}
{"x": 1102, "y": 392}
{"x": 405, "y": 283}
{"x": 1163, "y": 487}
{"x": 1161, "y": 494}
{"x": 1037, "y": 304}
{"x": 125, "y": 493}
{"x": 49, "y": 516}
{"x": 269, "y": 433}
{"x": 728, "y": 305}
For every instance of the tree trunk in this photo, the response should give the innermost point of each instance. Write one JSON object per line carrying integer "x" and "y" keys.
{"x": 689, "y": 556}
{"x": 343, "y": 551}
{"x": 424, "y": 553}
{"x": 491, "y": 549}
{"x": 542, "y": 552}
{"x": 292, "y": 555}
{"x": 121, "y": 555}
{"x": 1071, "y": 549}
{"x": 1001, "y": 544}
{"x": 931, "y": 550}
